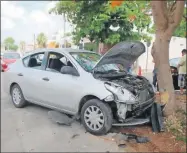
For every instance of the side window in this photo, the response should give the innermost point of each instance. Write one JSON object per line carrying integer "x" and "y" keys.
{"x": 36, "y": 60}
{"x": 26, "y": 61}
{"x": 56, "y": 61}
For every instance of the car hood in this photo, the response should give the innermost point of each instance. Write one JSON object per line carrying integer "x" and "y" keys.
{"x": 124, "y": 53}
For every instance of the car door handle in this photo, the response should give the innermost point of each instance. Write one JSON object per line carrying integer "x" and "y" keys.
{"x": 20, "y": 74}
{"x": 45, "y": 79}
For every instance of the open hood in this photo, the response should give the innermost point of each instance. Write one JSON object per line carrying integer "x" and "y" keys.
{"x": 124, "y": 53}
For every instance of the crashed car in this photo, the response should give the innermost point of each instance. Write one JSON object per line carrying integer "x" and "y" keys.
{"x": 96, "y": 89}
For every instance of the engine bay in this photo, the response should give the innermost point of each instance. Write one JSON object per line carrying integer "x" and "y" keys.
{"x": 130, "y": 82}
{"x": 139, "y": 86}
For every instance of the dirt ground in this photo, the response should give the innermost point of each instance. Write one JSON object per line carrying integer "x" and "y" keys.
{"x": 159, "y": 142}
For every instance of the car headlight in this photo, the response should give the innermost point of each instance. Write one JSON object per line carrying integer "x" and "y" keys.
{"x": 121, "y": 95}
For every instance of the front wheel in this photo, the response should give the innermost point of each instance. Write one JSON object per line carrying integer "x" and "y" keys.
{"x": 96, "y": 117}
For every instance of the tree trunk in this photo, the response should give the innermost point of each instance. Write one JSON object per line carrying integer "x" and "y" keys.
{"x": 165, "y": 82}
{"x": 166, "y": 18}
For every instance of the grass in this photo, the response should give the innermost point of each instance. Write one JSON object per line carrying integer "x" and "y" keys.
{"x": 181, "y": 138}
{"x": 176, "y": 124}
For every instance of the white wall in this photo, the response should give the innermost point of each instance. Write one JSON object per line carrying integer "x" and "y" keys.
{"x": 176, "y": 46}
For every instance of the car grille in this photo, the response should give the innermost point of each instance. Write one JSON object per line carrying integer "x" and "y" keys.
{"x": 145, "y": 99}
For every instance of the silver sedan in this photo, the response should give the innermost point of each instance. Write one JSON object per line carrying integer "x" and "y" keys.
{"x": 97, "y": 89}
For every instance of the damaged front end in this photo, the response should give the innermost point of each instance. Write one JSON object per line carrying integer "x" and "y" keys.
{"x": 133, "y": 95}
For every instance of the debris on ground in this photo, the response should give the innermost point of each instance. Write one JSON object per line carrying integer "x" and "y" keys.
{"x": 160, "y": 142}
{"x": 157, "y": 118}
{"x": 75, "y": 135}
{"x": 60, "y": 118}
{"x": 122, "y": 139}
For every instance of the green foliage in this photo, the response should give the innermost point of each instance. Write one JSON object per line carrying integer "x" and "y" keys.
{"x": 179, "y": 32}
{"x": 41, "y": 40}
{"x": 67, "y": 34}
{"x": 92, "y": 19}
{"x": 181, "y": 29}
{"x": 9, "y": 44}
{"x": 91, "y": 46}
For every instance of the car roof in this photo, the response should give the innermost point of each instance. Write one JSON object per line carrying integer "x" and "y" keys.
{"x": 10, "y": 52}
{"x": 59, "y": 50}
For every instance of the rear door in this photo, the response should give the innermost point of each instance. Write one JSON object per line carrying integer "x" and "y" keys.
{"x": 31, "y": 82}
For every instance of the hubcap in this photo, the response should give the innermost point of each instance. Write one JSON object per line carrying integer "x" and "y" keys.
{"x": 94, "y": 118}
{"x": 16, "y": 95}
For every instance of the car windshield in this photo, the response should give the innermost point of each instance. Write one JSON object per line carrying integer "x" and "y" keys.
{"x": 174, "y": 62}
{"x": 11, "y": 55}
{"x": 88, "y": 60}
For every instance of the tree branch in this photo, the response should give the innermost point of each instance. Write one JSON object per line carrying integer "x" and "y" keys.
{"x": 175, "y": 17}
{"x": 159, "y": 14}
{"x": 185, "y": 17}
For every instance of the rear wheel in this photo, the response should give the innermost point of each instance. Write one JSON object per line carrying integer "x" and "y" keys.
{"x": 96, "y": 117}
{"x": 17, "y": 96}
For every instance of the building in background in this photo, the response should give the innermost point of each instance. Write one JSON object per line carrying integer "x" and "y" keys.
{"x": 58, "y": 40}
{"x": 29, "y": 47}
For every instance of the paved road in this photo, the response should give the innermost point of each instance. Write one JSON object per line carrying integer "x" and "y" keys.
{"x": 29, "y": 129}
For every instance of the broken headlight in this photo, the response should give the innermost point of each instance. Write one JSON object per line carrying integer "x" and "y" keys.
{"x": 121, "y": 94}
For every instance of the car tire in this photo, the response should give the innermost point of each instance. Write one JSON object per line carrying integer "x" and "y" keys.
{"x": 96, "y": 117}
{"x": 17, "y": 96}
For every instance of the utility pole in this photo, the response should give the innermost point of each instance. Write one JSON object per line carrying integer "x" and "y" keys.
{"x": 34, "y": 41}
{"x": 64, "y": 30}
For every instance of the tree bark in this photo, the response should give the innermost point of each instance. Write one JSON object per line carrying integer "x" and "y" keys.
{"x": 166, "y": 21}
{"x": 164, "y": 77}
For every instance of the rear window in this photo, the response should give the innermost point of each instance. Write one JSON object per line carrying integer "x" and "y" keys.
{"x": 174, "y": 62}
{"x": 11, "y": 55}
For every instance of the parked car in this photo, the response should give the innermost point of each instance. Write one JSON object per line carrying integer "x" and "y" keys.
{"x": 8, "y": 58}
{"x": 96, "y": 89}
{"x": 174, "y": 71}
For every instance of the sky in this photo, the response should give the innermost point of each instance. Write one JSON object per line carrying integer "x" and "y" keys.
{"x": 22, "y": 19}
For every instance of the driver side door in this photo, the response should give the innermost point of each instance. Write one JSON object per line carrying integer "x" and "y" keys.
{"x": 60, "y": 90}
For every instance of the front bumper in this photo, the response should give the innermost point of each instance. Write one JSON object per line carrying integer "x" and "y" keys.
{"x": 133, "y": 122}
{"x": 140, "y": 107}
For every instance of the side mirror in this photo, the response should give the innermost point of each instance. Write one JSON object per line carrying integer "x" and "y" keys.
{"x": 69, "y": 70}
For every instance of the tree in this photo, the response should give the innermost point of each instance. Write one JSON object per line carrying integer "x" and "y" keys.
{"x": 93, "y": 19}
{"x": 41, "y": 40}
{"x": 167, "y": 16}
{"x": 67, "y": 34}
{"x": 181, "y": 29}
{"x": 9, "y": 44}
{"x": 22, "y": 45}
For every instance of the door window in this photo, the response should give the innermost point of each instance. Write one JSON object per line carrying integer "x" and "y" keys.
{"x": 56, "y": 61}
{"x": 36, "y": 60}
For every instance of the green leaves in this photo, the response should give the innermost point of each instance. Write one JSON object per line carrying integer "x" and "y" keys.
{"x": 9, "y": 44}
{"x": 94, "y": 18}
{"x": 41, "y": 40}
